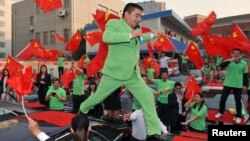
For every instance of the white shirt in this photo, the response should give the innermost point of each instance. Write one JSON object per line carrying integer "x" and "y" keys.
{"x": 139, "y": 125}
{"x": 164, "y": 62}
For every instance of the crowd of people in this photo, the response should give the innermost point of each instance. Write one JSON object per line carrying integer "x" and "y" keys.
{"x": 122, "y": 89}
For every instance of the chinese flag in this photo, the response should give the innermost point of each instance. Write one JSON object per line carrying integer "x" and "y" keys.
{"x": 52, "y": 54}
{"x": 74, "y": 42}
{"x": 67, "y": 77}
{"x": 205, "y": 25}
{"x": 163, "y": 44}
{"x": 191, "y": 88}
{"x": 59, "y": 37}
{"x": 49, "y": 5}
{"x": 97, "y": 63}
{"x": 80, "y": 63}
{"x": 237, "y": 34}
{"x": 22, "y": 83}
{"x": 154, "y": 65}
{"x": 150, "y": 49}
{"x": 145, "y": 29}
{"x": 93, "y": 38}
{"x": 194, "y": 55}
{"x": 102, "y": 17}
{"x": 216, "y": 45}
{"x": 25, "y": 54}
{"x": 13, "y": 66}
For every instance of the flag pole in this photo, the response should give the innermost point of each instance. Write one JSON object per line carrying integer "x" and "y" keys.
{"x": 24, "y": 110}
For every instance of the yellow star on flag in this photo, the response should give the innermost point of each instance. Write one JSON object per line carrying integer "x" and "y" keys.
{"x": 234, "y": 35}
{"x": 193, "y": 47}
{"x": 107, "y": 16}
{"x": 36, "y": 45}
{"x": 161, "y": 40}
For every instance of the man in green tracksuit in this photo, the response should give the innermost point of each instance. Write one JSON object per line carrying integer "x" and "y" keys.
{"x": 121, "y": 65}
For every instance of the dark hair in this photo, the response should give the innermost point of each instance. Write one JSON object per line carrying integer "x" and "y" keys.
{"x": 4, "y": 71}
{"x": 143, "y": 75}
{"x": 131, "y": 7}
{"x": 40, "y": 72}
{"x": 202, "y": 102}
{"x": 92, "y": 82}
{"x": 56, "y": 79}
{"x": 236, "y": 49}
{"x": 177, "y": 84}
{"x": 80, "y": 125}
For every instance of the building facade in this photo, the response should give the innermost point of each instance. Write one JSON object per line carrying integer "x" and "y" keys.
{"x": 5, "y": 28}
{"x": 152, "y": 6}
{"x": 30, "y": 22}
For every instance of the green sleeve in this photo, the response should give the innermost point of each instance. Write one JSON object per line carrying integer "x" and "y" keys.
{"x": 156, "y": 81}
{"x": 111, "y": 36}
{"x": 48, "y": 92}
{"x": 63, "y": 92}
{"x": 146, "y": 37}
{"x": 203, "y": 111}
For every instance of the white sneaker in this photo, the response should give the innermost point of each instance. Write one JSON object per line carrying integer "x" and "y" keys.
{"x": 238, "y": 120}
{"x": 218, "y": 115}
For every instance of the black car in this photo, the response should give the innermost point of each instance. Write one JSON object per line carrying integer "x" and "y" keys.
{"x": 101, "y": 130}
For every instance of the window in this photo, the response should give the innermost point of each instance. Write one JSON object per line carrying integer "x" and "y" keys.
{"x": 52, "y": 37}
{"x": 38, "y": 36}
{"x": 114, "y": 12}
{"x": 2, "y": 34}
{"x": 32, "y": 20}
{"x": 103, "y": 8}
{"x": 1, "y": 13}
{"x": 2, "y": 54}
{"x": 66, "y": 3}
{"x": 45, "y": 37}
{"x": 66, "y": 34}
{"x": 2, "y": 2}
{"x": 2, "y": 23}
{"x": 2, "y": 44}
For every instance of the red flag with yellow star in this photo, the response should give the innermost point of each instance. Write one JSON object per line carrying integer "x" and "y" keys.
{"x": 194, "y": 55}
{"x": 13, "y": 66}
{"x": 216, "y": 46}
{"x": 237, "y": 34}
{"x": 52, "y": 54}
{"x": 102, "y": 17}
{"x": 33, "y": 49}
{"x": 67, "y": 77}
{"x": 192, "y": 88}
{"x": 205, "y": 25}
{"x": 49, "y": 5}
{"x": 74, "y": 42}
{"x": 93, "y": 38}
{"x": 163, "y": 44}
{"x": 22, "y": 83}
{"x": 149, "y": 61}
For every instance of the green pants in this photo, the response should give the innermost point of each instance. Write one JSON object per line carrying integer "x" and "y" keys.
{"x": 140, "y": 91}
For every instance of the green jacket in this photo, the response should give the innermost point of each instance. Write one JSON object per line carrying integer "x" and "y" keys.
{"x": 123, "y": 52}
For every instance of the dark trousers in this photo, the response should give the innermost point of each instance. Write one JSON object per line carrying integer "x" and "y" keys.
{"x": 248, "y": 94}
{"x": 163, "y": 113}
{"x": 77, "y": 100}
{"x": 134, "y": 139}
{"x": 237, "y": 97}
{"x": 60, "y": 71}
{"x": 175, "y": 124}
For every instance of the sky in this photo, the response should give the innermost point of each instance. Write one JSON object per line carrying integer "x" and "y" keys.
{"x": 223, "y": 8}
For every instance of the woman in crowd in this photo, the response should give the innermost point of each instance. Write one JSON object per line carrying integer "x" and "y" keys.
{"x": 43, "y": 83}
{"x": 198, "y": 113}
{"x": 3, "y": 84}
